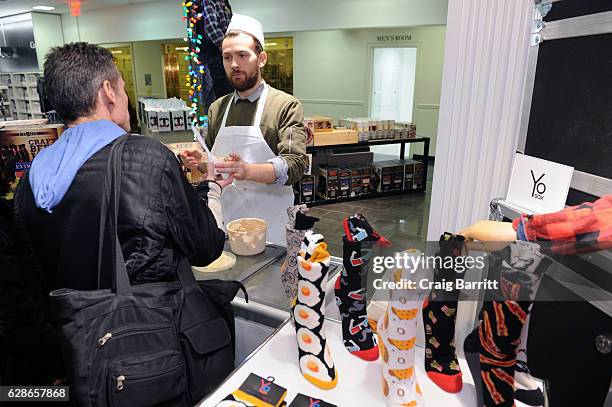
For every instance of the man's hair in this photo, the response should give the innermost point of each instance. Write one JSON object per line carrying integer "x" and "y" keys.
{"x": 258, "y": 46}
{"x": 73, "y": 75}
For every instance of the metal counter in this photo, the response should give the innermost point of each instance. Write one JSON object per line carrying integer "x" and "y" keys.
{"x": 245, "y": 266}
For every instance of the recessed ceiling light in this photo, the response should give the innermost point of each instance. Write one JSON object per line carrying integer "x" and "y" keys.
{"x": 43, "y": 8}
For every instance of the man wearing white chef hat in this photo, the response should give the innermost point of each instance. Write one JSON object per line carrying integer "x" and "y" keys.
{"x": 261, "y": 128}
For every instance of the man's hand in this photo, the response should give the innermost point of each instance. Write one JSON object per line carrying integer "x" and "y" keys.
{"x": 234, "y": 166}
{"x": 490, "y": 231}
{"x": 210, "y": 175}
{"x": 243, "y": 171}
{"x": 490, "y": 236}
{"x": 192, "y": 157}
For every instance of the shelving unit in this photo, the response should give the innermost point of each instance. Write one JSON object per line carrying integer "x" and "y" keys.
{"x": 425, "y": 140}
{"x": 346, "y": 147}
{"x": 21, "y": 95}
{"x": 5, "y": 104}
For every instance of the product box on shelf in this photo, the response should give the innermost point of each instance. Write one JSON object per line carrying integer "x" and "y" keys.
{"x": 318, "y": 124}
{"x": 416, "y": 169}
{"x": 151, "y": 119}
{"x": 327, "y": 181}
{"x": 406, "y": 130}
{"x": 336, "y": 137}
{"x": 179, "y": 120}
{"x": 306, "y": 189}
{"x": 356, "y": 181}
{"x": 344, "y": 182}
{"x": 20, "y": 144}
{"x": 366, "y": 175}
{"x": 398, "y": 175}
{"x": 408, "y": 175}
{"x": 419, "y": 175}
{"x": 163, "y": 121}
{"x": 382, "y": 176}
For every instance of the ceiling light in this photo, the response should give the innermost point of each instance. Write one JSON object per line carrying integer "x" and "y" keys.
{"x": 43, "y": 8}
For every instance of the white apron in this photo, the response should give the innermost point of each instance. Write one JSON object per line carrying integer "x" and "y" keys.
{"x": 248, "y": 199}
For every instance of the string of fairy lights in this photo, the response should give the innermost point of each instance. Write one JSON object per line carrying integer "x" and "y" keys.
{"x": 193, "y": 14}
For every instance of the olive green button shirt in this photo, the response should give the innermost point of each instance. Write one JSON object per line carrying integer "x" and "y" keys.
{"x": 282, "y": 126}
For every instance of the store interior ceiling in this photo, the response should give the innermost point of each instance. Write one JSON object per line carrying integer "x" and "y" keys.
{"x": 11, "y": 7}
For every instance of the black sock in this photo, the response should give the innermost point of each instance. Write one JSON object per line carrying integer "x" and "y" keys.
{"x": 439, "y": 316}
{"x": 351, "y": 299}
{"x": 304, "y": 222}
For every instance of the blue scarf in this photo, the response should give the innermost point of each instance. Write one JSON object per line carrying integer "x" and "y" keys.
{"x": 55, "y": 167}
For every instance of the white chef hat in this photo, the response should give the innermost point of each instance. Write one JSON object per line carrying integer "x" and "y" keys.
{"x": 248, "y": 25}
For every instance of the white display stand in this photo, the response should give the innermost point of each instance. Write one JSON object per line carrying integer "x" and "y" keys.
{"x": 359, "y": 382}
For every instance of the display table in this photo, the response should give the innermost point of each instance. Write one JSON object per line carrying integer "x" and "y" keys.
{"x": 359, "y": 382}
{"x": 268, "y": 347}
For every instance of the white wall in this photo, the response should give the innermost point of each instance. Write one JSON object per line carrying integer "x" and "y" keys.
{"x": 70, "y": 28}
{"x": 138, "y": 22}
{"x": 162, "y": 19}
{"x": 332, "y": 67}
{"x": 47, "y": 34}
{"x": 148, "y": 60}
{"x": 306, "y": 15}
{"x": 332, "y": 73}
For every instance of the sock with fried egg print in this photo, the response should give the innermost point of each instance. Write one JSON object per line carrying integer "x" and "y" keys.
{"x": 350, "y": 287}
{"x": 316, "y": 363}
{"x": 396, "y": 333}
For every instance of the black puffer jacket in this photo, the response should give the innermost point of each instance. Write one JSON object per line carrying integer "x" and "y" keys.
{"x": 30, "y": 348}
{"x": 162, "y": 219}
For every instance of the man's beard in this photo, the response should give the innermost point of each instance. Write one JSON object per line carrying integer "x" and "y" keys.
{"x": 247, "y": 84}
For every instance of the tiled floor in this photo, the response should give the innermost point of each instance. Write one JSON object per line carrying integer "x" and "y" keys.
{"x": 402, "y": 219}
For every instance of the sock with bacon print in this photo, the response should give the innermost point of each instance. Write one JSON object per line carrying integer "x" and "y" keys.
{"x": 501, "y": 322}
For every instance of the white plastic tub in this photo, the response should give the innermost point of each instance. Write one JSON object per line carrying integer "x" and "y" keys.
{"x": 247, "y": 236}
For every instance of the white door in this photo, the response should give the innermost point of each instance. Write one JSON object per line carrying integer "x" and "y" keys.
{"x": 393, "y": 79}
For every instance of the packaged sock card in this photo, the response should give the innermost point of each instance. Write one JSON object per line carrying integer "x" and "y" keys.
{"x": 231, "y": 401}
{"x": 306, "y": 401}
{"x": 261, "y": 392}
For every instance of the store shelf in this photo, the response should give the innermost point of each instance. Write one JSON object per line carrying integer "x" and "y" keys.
{"x": 362, "y": 197}
{"x": 403, "y": 142}
{"x": 369, "y": 144}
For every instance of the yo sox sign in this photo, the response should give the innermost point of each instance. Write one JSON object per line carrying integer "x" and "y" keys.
{"x": 539, "y": 185}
